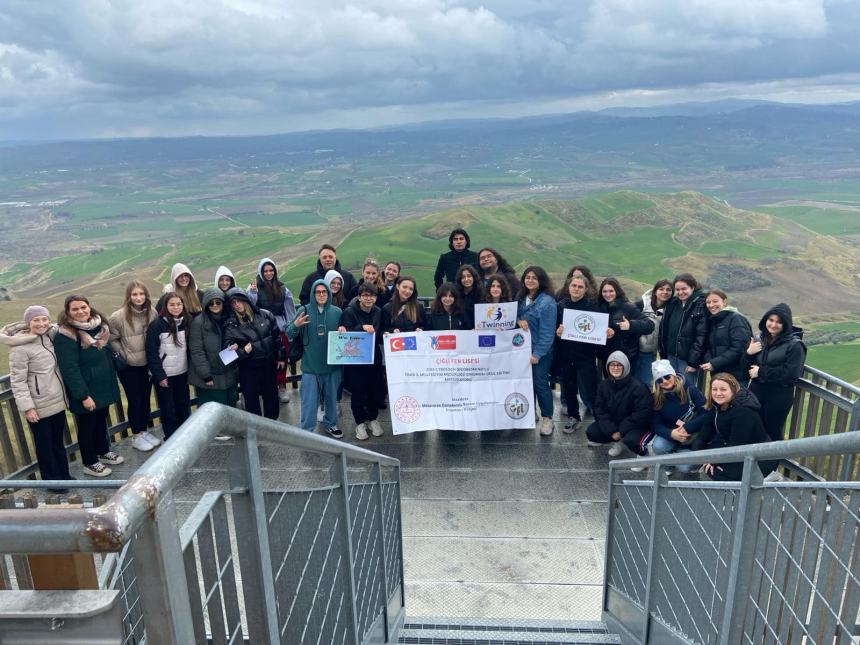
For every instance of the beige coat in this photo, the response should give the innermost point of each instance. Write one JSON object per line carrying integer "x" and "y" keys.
{"x": 130, "y": 340}
{"x": 34, "y": 374}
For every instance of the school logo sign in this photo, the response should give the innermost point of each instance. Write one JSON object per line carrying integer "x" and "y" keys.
{"x": 518, "y": 340}
{"x": 516, "y": 406}
{"x": 585, "y": 324}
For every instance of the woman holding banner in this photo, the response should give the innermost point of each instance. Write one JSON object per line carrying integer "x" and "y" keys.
{"x": 578, "y": 359}
{"x": 468, "y": 283}
{"x": 446, "y": 311}
{"x": 537, "y": 315}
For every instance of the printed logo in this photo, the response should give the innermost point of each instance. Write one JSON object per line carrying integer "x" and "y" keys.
{"x": 487, "y": 341}
{"x": 516, "y": 406}
{"x": 404, "y": 343}
{"x": 443, "y": 342}
{"x": 584, "y": 324}
{"x": 407, "y": 409}
{"x": 518, "y": 340}
{"x": 494, "y": 313}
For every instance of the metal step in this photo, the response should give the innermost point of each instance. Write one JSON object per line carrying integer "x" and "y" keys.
{"x": 465, "y": 631}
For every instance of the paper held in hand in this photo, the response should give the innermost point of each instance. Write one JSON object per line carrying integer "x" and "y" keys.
{"x": 228, "y": 355}
{"x": 585, "y": 326}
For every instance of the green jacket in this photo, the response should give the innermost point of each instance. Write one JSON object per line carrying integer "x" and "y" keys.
{"x": 315, "y": 357}
{"x": 86, "y": 371}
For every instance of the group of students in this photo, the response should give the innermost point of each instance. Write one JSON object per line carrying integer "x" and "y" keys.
{"x": 181, "y": 339}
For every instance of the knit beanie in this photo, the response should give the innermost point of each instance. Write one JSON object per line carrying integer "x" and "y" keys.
{"x": 32, "y": 311}
{"x": 661, "y": 368}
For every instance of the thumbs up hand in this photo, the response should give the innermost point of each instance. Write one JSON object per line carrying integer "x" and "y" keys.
{"x": 624, "y": 325}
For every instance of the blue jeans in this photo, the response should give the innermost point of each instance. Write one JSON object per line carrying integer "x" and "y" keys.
{"x": 315, "y": 387}
{"x": 643, "y": 368}
{"x": 681, "y": 365}
{"x": 663, "y": 446}
{"x": 540, "y": 379}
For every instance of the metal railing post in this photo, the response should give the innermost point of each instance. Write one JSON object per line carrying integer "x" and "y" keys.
{"x": 376, "y": 473}
{"x": 740, "y": 562}
{"x": 339, "y": 475}
{"x": 161, "y": 578}
{"x": 400, "y": 540}
{"x": 252, "y": 535}
{"x": 853, "y": 426}
{"x": 659, "y": 477}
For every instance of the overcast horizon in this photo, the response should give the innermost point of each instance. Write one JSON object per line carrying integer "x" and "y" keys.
{"x": 106, "y": 69}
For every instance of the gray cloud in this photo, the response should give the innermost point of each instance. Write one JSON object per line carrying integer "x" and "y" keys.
{"x": 109, "y": 68}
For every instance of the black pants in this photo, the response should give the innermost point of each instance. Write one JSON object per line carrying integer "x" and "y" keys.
{"x": 50, "y": 446}
{"x": 776, "y": 402}
{"x": 174, "y": 403}
{"x": 635, "y": 441}
{"x": 579, "y": 376}
{"x": 135, "y": 381}
{"x": 258, "y": 378}
{"x": 366, "y": 384}
{"x": 92, "y": 435}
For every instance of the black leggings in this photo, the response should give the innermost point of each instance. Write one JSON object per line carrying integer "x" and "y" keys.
{"x": 776, "y": 402}
{"x": 258, "y": 378}
{"x": 135, "y": 381}
{"x": 174, "y": 402}
{"x": 50, "y": 446}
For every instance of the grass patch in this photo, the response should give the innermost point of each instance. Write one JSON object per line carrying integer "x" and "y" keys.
{"x": 841, "y": 360}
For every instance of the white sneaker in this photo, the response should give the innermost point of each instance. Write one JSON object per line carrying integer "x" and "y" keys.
{"x": 140, "y": 442}
{"x": 361, "y": 431}
{"x": 283, "y": 395}
{"x": 376, "y": 429}
{"x": 570, "y": 426}
{"x": 545, "y": 426}
{"x": 637, "y": 469}
{"x": 616, "y": 449}
{"x": 152, "y": 439}
{"x": 776, "y": 476}
{"x": 97, "y": 469}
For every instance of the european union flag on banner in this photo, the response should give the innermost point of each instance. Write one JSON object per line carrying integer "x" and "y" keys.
{"x": 410, "y": 342}
{"x": 487, "y": 341}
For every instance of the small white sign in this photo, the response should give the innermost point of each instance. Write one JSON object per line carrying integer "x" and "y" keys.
{"x": 500, "y": 315}
{"x": 584, "y": 326}
{"x": 228, "y": 355}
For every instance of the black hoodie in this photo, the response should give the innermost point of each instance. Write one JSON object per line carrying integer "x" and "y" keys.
{"x": 737, "y": 425}
{"x": 450, "y": 262}
{"x": 780, "y": 361}
{"x": 348, "y": 281}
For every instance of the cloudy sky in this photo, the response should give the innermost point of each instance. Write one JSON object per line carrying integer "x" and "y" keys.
{"x": 107, "y": 68}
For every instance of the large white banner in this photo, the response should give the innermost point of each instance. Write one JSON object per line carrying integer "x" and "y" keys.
{"x": 459, "y": 380}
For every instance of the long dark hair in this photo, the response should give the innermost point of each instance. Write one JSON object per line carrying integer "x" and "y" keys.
{"x": 410, "y": 307}
{"x": 274, "y": 288}
{"x": 620, "y": 296}
{"x": 172, "y": 326}
{"x": 502, "y": 265}
{"x": 445, "y": 289}
{"x": 477, "y": 284}
{"x": 544, "y": 281}
{"x": 503, "y": 284}
{"x": 657, "y": 285}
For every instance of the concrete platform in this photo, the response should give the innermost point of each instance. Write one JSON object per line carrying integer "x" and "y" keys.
{"x": 503, "y": 524}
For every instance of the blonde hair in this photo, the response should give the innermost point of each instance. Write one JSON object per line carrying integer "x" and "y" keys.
{"x": 678, "y": 388}
{"x": 729, "y": 380}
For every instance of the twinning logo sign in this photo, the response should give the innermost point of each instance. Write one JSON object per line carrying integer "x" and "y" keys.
{"x": 500, "y": 315}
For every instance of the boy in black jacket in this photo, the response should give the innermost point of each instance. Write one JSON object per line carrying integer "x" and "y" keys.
{"x": 365, "y": 382}
{"x": 449, "y": 263}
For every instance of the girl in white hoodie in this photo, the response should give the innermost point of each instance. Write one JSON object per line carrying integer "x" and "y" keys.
{"x": 167, "y": 357}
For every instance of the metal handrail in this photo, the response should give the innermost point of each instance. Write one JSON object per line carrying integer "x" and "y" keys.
{"x": 846, "y": 442}
{"x": 108, "y": 527}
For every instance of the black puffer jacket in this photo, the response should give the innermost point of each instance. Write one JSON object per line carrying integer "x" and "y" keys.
{"x": 450, "y": 262}
{"x": 205, "y": 341}
{"x": 444, "y": 321}
{"x": 689, "y": 343}
{"x": 262, "y": 332}
{"x": 623, "y": 405}
{"x": 729, "y": 335}
{"x": 737, "y": 425}
{"x": 354, "y": 318}
{"x": 781, "y": 361}
{"x": 401, "y": 322}
{"x": 626, "y": 341}
{"x": 348, "y": 281}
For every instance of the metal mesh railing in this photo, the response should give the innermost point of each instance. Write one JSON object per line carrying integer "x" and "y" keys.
{"x": 723, "y": 563}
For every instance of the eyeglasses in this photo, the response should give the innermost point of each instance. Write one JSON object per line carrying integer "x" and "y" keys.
{"x": 215, "y": 303}
{"x": 665, "y": 378}
{"x": 321, "y": 292}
